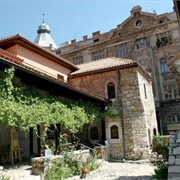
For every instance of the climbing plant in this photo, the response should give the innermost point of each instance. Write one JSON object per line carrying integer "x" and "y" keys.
{"x": 26, "y": 107}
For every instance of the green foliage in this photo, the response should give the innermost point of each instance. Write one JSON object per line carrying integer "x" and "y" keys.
{"x": 160, "y": 174}
{"x": 92, "y": 162}
{"x": 3, "y": 177}
{"x": 160, "y": 151}
{"x": 26, "y": 107}
{"x": 69, "y": 165}
{"x": 59, "y": 170}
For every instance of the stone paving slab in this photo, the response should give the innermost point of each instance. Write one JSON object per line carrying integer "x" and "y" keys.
{"x": 128, "y": 170}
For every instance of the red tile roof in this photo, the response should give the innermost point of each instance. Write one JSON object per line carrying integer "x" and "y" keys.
{"x": 11, "y": 58}
{"x": 103, "y": 64}
{"x": 18, "y": 39}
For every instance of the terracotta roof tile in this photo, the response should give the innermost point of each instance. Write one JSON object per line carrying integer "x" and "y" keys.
{"x": 8, "y": 41}
{"x": 16, "y": 60}
{"x": 11, "y": 57}
{"x": 103, "y": 64}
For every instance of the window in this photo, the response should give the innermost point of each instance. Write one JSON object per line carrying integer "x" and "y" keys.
{"x": 138, "y": 23}
{"x": 96, "y": 40}
{"x": 163, "y": 39}
{"x": 111, "y": 90}
{"x": 174, "y": 118}
{"x": 78, "y": 60}
{"x": 60, "y": 77}
{"x": 172, "y": 91}
{"x": 94, "y": 133}
{"x": 140, "y": 44}
{"x": 154, "y": 132}
{"x": 145, "y": 94}
{"x": 176, "y": 91}
{"x": 98, "y": 55}
{"x": 163, "y": 66}
{"x": 101, "y": 55}
{"x": 114, "y": 132}
{"x": 95, "y": 56}
{"x": 171, "y": 57}
{"x": 168, "y": 92}
{"x": 149, "y": 136}
{"x": 122, "y": 50}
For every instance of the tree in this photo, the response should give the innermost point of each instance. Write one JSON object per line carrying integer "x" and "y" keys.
{"x": 25, "y": 107}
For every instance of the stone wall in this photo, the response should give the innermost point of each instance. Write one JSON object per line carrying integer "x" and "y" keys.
{"x": 174, "y": 157}
{"x": 137, "y": 106}
{"x": 38, "y": 163}
{"x": 139, "y": 113}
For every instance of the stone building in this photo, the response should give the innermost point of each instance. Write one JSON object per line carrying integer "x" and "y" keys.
{"x": 150, "y": 39}
{"x": 129, "y": 86}
{"x": 45, "y": 71}
{"x": 118, "y": 85}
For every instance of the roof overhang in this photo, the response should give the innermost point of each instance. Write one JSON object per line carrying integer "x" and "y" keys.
{"x": 18, "y": 39}
{"x": 79, "y": 92}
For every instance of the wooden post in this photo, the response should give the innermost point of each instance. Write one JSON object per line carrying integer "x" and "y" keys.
{"x": 15, "y": 150}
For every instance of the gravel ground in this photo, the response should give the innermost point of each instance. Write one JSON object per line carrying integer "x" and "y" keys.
{"x": 128, "y": 170}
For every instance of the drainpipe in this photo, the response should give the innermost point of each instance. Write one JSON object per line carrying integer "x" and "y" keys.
{"x": 121, "y": 112}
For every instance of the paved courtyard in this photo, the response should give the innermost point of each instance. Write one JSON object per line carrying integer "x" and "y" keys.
{"x": 128, "y": 170}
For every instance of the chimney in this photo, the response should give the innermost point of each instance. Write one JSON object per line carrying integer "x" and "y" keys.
{"x": 73, "y": 41}
{"x": 97, "y": 33}
{"x": 85, "y": 38}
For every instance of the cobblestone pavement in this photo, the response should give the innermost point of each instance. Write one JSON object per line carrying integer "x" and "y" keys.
{"x": 128, "y": 170}
{"x": 19, "y": 171}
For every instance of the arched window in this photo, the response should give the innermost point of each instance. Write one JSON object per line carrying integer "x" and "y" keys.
{"x": 163, "y": 66}
{"x": 149, "y": 136}
{"x": 171, "y": 57}
{"x": 111, "y": 90}
{"x": 154, "y": 132}
{"x": 174, "y": 118}
{"x": 94, "y": 133}
{"x": 114, "y": 132}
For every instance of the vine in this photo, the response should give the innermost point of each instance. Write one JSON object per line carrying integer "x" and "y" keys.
{"x": 26, "y": 107}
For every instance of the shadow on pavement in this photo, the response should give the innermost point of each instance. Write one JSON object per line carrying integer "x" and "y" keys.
{"x": 26, "y": 164}
{"x": 134, "y": 178}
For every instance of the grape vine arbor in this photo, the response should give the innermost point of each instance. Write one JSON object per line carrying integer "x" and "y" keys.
{"x": 26, "y": 107}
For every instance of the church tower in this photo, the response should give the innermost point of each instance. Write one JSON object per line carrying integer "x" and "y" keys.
{"x": 44, "y": 38}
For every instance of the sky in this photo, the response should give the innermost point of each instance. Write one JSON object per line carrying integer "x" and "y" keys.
{"x": 70, "y": 19}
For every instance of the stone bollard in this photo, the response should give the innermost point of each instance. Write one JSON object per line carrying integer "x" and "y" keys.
{"x": 38, "y": 165}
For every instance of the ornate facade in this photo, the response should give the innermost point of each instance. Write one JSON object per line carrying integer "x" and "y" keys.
{"x": 151, "y": 40}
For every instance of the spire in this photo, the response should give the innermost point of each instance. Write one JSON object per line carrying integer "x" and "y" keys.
{"x": 44, "y": 38}
{"x": 43, "y": 18}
